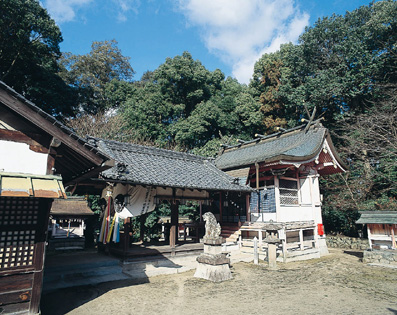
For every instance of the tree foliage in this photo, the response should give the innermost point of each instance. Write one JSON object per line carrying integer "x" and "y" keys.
{"x": 29, "y": 51}
{"x": 336, "y": 65}
{"x": 98, "y": 75}
{"x": 183, "y": 105}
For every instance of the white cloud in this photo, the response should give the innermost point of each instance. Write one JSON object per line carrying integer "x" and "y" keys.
{"x": 124, "y": 6}
{"x": 64, "y": 10}
{"x": 240, "y": 31}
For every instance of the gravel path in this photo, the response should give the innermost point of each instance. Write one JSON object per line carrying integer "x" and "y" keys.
{"x": 336, "y": 284}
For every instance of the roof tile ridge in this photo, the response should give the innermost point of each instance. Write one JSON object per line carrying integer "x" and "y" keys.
{"x": 275, "y": 136}
{"x": 155, "y": 150}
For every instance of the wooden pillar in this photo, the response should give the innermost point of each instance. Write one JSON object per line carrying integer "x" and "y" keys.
{"x": 39, "y": 253}
{"x": 277, "y": 197}
{"x": 369, "y": 235}
{"x": 220, "y": 208}
{"x": 174, "y": 223}
{"x": 126, "y": 239}
{"x": 260, "y": 237}
{"x": 248, "y": 210}
{"x": 142, "y": 227}
{"x": 301, "y": 239}
{"x": 257, "y": 186}
{"x": 201, "y": 211}
{"x": 257, "y": 175}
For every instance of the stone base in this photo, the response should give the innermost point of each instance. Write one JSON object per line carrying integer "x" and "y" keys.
{"x": 213, "y": 241}
{"x": 214, "y": 273}
{"x": 322, "y": 246}
{"x": 212, "y": 249}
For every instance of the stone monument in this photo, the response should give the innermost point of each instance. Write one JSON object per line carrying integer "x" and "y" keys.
{"x": 213, "y": 264}
{"x": 272, "y": 242}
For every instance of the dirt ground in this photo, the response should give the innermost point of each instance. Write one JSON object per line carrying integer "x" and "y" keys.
{"x": 336, "y": 284}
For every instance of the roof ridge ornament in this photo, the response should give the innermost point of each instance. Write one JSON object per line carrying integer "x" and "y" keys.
{"x": 311, "y": 121}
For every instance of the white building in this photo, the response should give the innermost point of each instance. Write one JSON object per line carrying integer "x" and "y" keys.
{"x": 284, "y": 168}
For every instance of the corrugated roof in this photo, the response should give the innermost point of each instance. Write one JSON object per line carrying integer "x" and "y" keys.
{"x": 30, "y": 185}
{"x": 378, "y": 217}
{"x": 71, "y": 207}
{"x": 292, "y": 145}
{"x": 152, "y": 166}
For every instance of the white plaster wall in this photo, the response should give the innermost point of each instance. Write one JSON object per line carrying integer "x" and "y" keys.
{"x": 295, "y": 213}
{"x": 17, "y": 157}
{"x": 263, "y": 217}
{"x": 318, "y": 218}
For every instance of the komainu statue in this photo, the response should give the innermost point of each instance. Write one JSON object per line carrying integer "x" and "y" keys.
{"x": 212, "y": 228}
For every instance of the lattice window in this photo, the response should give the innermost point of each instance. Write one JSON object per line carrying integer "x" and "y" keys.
{"x": 288, "y": 192}
{"x": 18, "y": 225}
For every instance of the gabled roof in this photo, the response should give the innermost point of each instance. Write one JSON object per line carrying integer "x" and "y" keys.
{"x": 75, "y": 157}
{"x": 378, "y": 217}
{"x": 295, "y": 145}
{"x": 137, "y": 164}
{"x": 72, "y": 207}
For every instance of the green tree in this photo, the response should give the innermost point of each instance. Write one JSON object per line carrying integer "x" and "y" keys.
{"x": 186, "y": 82}
{"x": 336, "y": 65}
{"x": 102, "y": 70}
{"x": 29, "y": 50}
{"x": 182, "y": 105}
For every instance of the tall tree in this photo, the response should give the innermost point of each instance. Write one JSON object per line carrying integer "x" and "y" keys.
{"x": 335, "y": 66}
{"x": 183, "y": 105}
{"x": 29, "y": 50}
{"x": 91, "y": 75}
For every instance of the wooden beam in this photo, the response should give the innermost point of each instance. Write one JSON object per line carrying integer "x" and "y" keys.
{"x": 16, "y": 136}
{"x": 22, "y": 109}
{"x": 50, "y": 164}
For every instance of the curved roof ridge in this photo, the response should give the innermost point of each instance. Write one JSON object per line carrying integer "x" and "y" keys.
{"x": 295, "y": 145}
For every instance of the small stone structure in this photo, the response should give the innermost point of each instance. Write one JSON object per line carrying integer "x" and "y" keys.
{"x": 272, "y": 243}
{"x": 341, "y": 241}
{"x": 213, "y": 264}
{"x": 385, "y": 257}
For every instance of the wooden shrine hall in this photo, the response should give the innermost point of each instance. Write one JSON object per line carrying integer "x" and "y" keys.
{"x": 144, "y": 176}
{"x": 284, "y": 169}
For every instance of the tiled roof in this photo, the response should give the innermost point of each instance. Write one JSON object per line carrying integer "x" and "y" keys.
{"x": 379, "y": 217}
{"x": 291, "y": 145}
{"x": 152, "y": 166}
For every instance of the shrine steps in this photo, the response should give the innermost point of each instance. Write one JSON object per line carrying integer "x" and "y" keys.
{"x": 230, "y": 233}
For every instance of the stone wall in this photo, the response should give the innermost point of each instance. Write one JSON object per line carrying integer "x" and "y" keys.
{"x": 385, "y": 256}
{"x": 341, "y": 241}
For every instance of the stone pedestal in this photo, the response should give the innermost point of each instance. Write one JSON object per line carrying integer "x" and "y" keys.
{"x": 213, "y": 265}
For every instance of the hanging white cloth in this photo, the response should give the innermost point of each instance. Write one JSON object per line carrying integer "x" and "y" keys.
{"x": 140, "y": 201}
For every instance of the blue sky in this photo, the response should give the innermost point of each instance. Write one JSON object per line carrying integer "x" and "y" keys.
{"x": 226, "y": 34}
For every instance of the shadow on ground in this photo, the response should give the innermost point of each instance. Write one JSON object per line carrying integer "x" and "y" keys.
{"x": 71, "y": 280}
{"x": 358, "y": 254}
{"x": 63, "y": 301}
